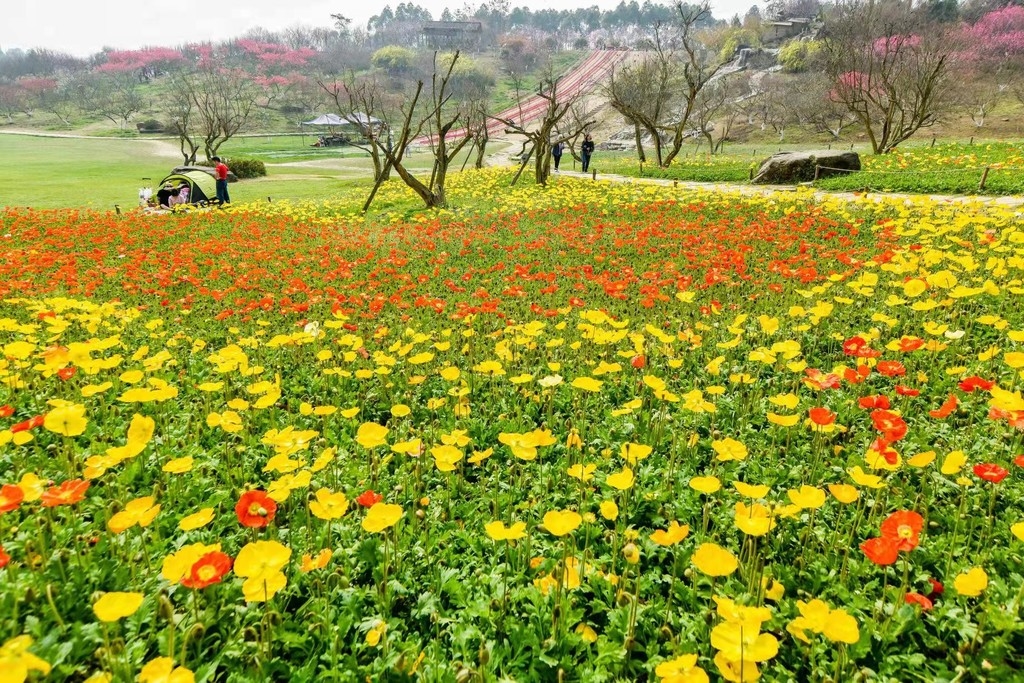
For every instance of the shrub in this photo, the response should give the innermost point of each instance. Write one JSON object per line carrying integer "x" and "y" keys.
{"x": 242, "y": 168}
{"x": 247, "y": 168}
{"x": 393, "y": 59}
{"x": 799, "y": 55}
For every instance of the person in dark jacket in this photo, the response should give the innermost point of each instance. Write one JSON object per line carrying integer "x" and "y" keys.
{"x": 586, "y": 151}
{"x": 556, "y": 153}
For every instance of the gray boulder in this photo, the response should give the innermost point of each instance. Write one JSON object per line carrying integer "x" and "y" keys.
{"x": 797, "y": 167}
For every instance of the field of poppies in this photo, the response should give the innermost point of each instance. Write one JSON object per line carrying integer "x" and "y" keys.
{"x": 587, "y": 433}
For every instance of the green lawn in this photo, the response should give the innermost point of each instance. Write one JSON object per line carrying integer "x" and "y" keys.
{"x": 59, "y": 172}
{"x": 44, "y": 172}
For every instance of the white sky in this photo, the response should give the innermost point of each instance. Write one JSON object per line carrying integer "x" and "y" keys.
{"x": 82, "y": 28}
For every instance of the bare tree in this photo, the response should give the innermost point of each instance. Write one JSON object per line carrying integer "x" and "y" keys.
{"x": 363, "y": 102}
{"x": 698, "y": 65}
{"x": 439, "y": 117}
{"x": 890, "y": 67}
{"x": 211, "y": 105}
{"x": 184, "y": 121}
{"x": 562, "y": 120}
{"x": 115, "y": 96}
{"x": 644, "y": 92}
{"x": 717, "y": 102}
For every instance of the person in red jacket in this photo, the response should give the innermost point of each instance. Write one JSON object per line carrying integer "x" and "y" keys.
{"x": 221, "y": 173}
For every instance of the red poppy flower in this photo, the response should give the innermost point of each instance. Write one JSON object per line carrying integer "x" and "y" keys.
{"x": 6, "y": 411}
{"x": 822, "y": 416}
{"x": 1019, "y": 461}
{"x": 10, "y": 497}
{"x": 974, "y": 383}
{"x": 904, "y": 528}
{"x": 851, "y": 376}
{"x": 879, "y": 402}
{"x": 368, "y": 498}
{"x": 67, "y": 373}
{"x": 918, "y": 599}
{"x": 946, "y": 409}
{"x": 853, "y": 345}
{"x": 819, "y": 380}
{"x": 639, "y": 361}
{"x": 891, "y": 368}
{"x": 892, "y": 426}
{"x": 25, "y": 426}
{"x": 4, "y": 558}
{"x": 882, "y": 551}
{"x": 904, "y": 390}
{"x": 208, "y": 570}
{"x": 255, "y": 509}
{"x": 67, "y": 493}
{"x": 990, "y": 472}
{"x": 908, "y": 345}
{"x": 937, "y": 588}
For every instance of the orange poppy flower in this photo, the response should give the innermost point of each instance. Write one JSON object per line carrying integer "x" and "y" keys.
{"x": 879, "y": 402}
{"x": 882, "y": 551}
{"x": 4, "y": 558}
{"x": 255, "y": 509}
{"x": 10, "y": 497}
{"x": 892, "y": 426}
{"x": 974, "y": 383}
{"x": 891, "y": 368}
{"x": 208, "y": 570}
{"x": 822, "y": 416}
{"x": 946, "y": 409}
{"x": 918, "y": 599}
{"x": 903, "y": 528}
{"x": 67, "y": 493}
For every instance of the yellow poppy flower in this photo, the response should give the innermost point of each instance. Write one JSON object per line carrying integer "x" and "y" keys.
{"x": 381, "y": 516}
{"x": 114, "y": 606}
{"x": 562, "y": 522}
{"x": 714, "y": 560}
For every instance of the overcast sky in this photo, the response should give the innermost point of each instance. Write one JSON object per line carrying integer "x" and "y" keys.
{"x": 82, "y": 28}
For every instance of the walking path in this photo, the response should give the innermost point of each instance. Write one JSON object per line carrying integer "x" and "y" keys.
{"x": 763, "y": 190}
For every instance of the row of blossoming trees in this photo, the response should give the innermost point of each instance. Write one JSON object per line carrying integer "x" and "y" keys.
{"x": 205, "y": 93}
{"x": 884, "y": 69}
{"x": 896, "y": 70}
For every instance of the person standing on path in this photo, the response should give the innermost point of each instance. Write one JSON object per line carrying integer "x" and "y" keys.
{"x": 221, "y": 173}
{"x": 556, "y": 153}
{"x": 586, "y": 150}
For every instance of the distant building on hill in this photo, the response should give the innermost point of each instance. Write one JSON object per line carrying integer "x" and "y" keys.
{"x": 781, "y": 30}
{"x": 450, "y": 35}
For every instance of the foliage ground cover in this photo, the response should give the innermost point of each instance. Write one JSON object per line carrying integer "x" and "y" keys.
{"x": 944, "y": 168}
{"x": 588, "y": 432}
{"x": 949, "y": 168}
{"x": 693, "y": 167}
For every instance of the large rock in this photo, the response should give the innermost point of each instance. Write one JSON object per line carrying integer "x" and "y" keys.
{"x": 797, "y": 167}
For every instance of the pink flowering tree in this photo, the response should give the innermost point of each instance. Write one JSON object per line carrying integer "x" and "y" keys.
{"x": 890, "y": 68}
{"x": 992, "y": 60}
{"x": 13, "y": 100}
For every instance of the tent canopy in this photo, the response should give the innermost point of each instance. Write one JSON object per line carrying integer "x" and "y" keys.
{"x": 202, "y": 185}
{"x": 357, "y": 118}
{"x": 325, "y": 120}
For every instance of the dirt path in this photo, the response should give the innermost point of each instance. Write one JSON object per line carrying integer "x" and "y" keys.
{"x": 765, "y": 190}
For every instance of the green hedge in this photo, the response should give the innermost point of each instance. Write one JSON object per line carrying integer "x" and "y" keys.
{"x": 242, "y": 168}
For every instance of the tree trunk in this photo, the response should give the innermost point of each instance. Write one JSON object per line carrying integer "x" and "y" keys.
{"x": 639, "y": 142}
{"x": 481, "y": 150}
